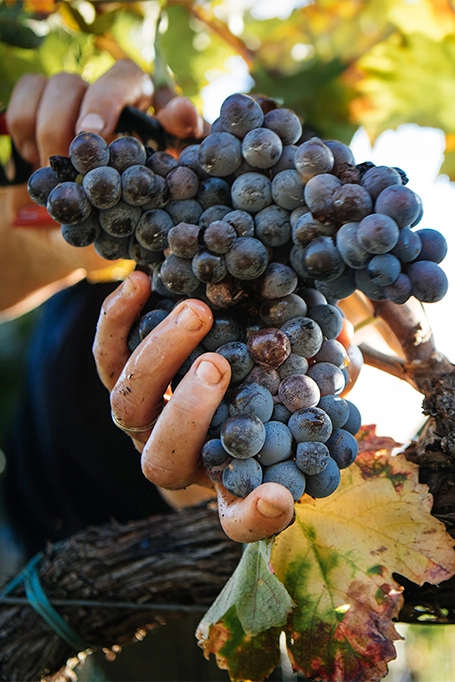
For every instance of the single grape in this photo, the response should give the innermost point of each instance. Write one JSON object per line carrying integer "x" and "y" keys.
{"x": 219, "y": 418}
{"x": 126, "y": 151}
{"x": 338, "y": 410}
{"x": 241, "y": 362}
{"x": 272, "y": 226}
{"x": 288, "y": 475}
{"x": 351, "y": 203}
{"x": 143, "y": 256}
{"x": 329, "y": 378}
{"x": 162, "y": 163}
{"x": 87, "y": 151}
{"x": 342, "y": 155}
{"x": 384, "y": 269}
{"x": 306, "y": 228}
{"x": 153, "y": 228}
{"x": 305, "y": 336}
{"x": 243, "y": 435}
{"x": 365, "y": 284}
{"x": 189, "y": 156}
{"x": 138, "y": 185}
{"x": 214, "y": 191}
{"x": 183, "y": 240}
{"x": 261, "y": 148}
{"x": 278, "y": 444}
{"x": 225, "y": 328}
{"x": 338, "y": 288}
{"x": 434, "y": 245}
{"x": 67, "y": 204}
{"x": 265, "y": 376}
{"x": 329, "y": 318}
{"x": 408, "y": 246}
{"x": 251, "y": 192}
{"x": 209, "y": 267}
{"x": 325, "y": 483}
{"x": 400, "y": 203}
{"x": 186, "y": 211}
{"x": 242, "y": 476}
{"x": 312, "y": 158}
{"x": 277, "y": 281}
{"x": 120, "y": 220}
{"x": 378, "y": 178}
{"x": 312, "y": 457}
{"x": 285, "y": 123}
{"x": 241, "y": 221}
{"x": 40, "y": 184}
{"x": 333, "y": 351}
{"x": 343, "y": 447}
{"x": 82, "y": 234}
{"x": 322, "y": 259}
{"x": 239, "y": 114}
{"x": 310, "y": 424}
{"x": 294, "y": 364}
{"x": 354, "y": 420}
{"x": 275, "y": 312}
{"x": 149, "y": 321}
{"x": 318, "y": 195}
{"x": 401, "y": 290}
{"x": 247, "y": 258}
{"x": 183, "y": 183}
{"x": 220, "y": 154}
{"x": 219, "y": 236}
{"x": 298, "y": 391}
{"x": 269, "y": 347}
{"x": 251, "y": 398}
{"x": 102, "y": 187}
{"x": 213, "y": 454}
{"x": 287, "y": 189}
{"x": 285, "y": 162}
{"x": 160, "y": 197}
{"x": 429, "y": 281}
{"x": 378, "y": 233}
{"x": 177, "y": 275}
{"x": 111, "y": 248}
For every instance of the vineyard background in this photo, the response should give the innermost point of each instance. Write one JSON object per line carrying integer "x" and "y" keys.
{"x": 377, "y": 74}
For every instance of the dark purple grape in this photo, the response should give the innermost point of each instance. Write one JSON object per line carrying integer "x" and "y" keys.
{"x": 120, "y": 220}
{"x": 241, "y": 221}
{"x": 111, "y": 248}
{"x": 272, "y": 226}
{"x": 138, "y": 185}
{"x": 82, "y": 234}
{"x": 261, "y": 148}
{"x": 298, "y": 391}
{"x": 214, "y": 191}
{"x": 329, "y": 378}
{"x": 325, "y": 483}
{"x": 162, "y": 162}
{"x": 376, "y": 179}
{"x": 288, "y": 475}
{"x": 153, "y": 228}
{"x": 285, "y": 123}
{"x": 241, "y": 362}
{"x": 429, "y": 281}
{"x": 306, "y": 228}
{"x": 242, "y": 476}
{"x": 239, "y": 114}
{"x": 378, "y": 233}
{"x": 276, "y": 312}
{"x": 343, "y": 447}
{"x": 318, "y": 195}
{"x": 401, "y": 290}
{"x": 208, "y": 266}
{"x": 400, "y": 203}
{"x": 40, "y": 184}
{"x": 187, "y": 211}
{"x": 219, "y": 236}
{"x": 183, "y": 240}
{"x": 103, "y": 187}
{"x": 434, "y": 245}
{"x": 251, "y": 192}
{"x": 312, "y": 457}
{"x": 312, "y": 158}
{"x": 310, "y": 424}
{"x": 287, "y": 189}
{"x": 87, "y": 151}
{"x": 408, "y": 245}
{"x": 277, "y": 446}
{"x": 265, "y": 376}
{"x": 277, "y": 281}
{"x": 338, "y": 410}
{"x": 294, "y": 364}
{"x": 351, "y": 203}
{"x": 251, "y": 398}
{"x": 384, "y": 269}
{"x": 183, "y": 183}
{"x": 247, "y": 259}
{"x": 322, "y": 259}
{"x": 243, "y": 435}
{"x": 220, "y": 154}
{"x": 68, "y": 204}
{"x": 149, "y": 321}
{"x": 126, "y": 151}
{"x": 177, "y": 275}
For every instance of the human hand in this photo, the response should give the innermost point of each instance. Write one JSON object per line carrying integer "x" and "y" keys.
{"x": 172, "y": 440}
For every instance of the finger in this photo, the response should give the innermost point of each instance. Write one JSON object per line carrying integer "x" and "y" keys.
{"x": 180, "y": 118}
{"x": 171, "y": 456}
{"x": 118, "y": 314}
{"x": 125, "y": 84}
{"x": 137, "y": 397}
{"x": 21, "y": 115}
{"x": 57, "y": 114}
{"x": 266, "y": 511}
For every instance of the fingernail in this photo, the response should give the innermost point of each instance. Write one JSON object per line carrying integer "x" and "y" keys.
{"x": 189, "y": 320}
{"x": 208, "y": 373}
{"x": 268, "y": 510}
{"x": 92, "y": 123}
{"x": 128, "y": 286}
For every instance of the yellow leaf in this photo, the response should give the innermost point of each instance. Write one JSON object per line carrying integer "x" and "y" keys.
{"x": 337, "y": 561}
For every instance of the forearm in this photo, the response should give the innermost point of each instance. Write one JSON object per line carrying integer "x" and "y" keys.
{"x": 35, "y": 262}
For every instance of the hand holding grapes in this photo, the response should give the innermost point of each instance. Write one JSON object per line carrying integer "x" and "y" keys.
{"x": 43, "y": 116}
{"x": 171, "y": 447}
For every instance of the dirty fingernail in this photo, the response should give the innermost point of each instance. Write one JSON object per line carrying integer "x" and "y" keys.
{"x": 208, "y": 373}
{"x": 128, "y": 286}
{"x": 268, "y": 510}
{"x": 189, "y": 320}
{"x": 91, "y": 122}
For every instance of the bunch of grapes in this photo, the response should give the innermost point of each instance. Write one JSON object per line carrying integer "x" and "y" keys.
{"x": 271, "y": 231}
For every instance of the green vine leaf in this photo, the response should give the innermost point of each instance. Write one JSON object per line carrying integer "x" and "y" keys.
{"x": 260, "y": 599}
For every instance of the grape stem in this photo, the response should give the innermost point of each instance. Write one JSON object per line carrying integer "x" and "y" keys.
{"x": 421, "y": 363}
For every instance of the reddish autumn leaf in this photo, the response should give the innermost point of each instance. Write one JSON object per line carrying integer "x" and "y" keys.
{"x": 337, "y": 563}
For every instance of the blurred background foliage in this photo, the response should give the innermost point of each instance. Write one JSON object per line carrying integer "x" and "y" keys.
{"x": 340, "y": 64}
